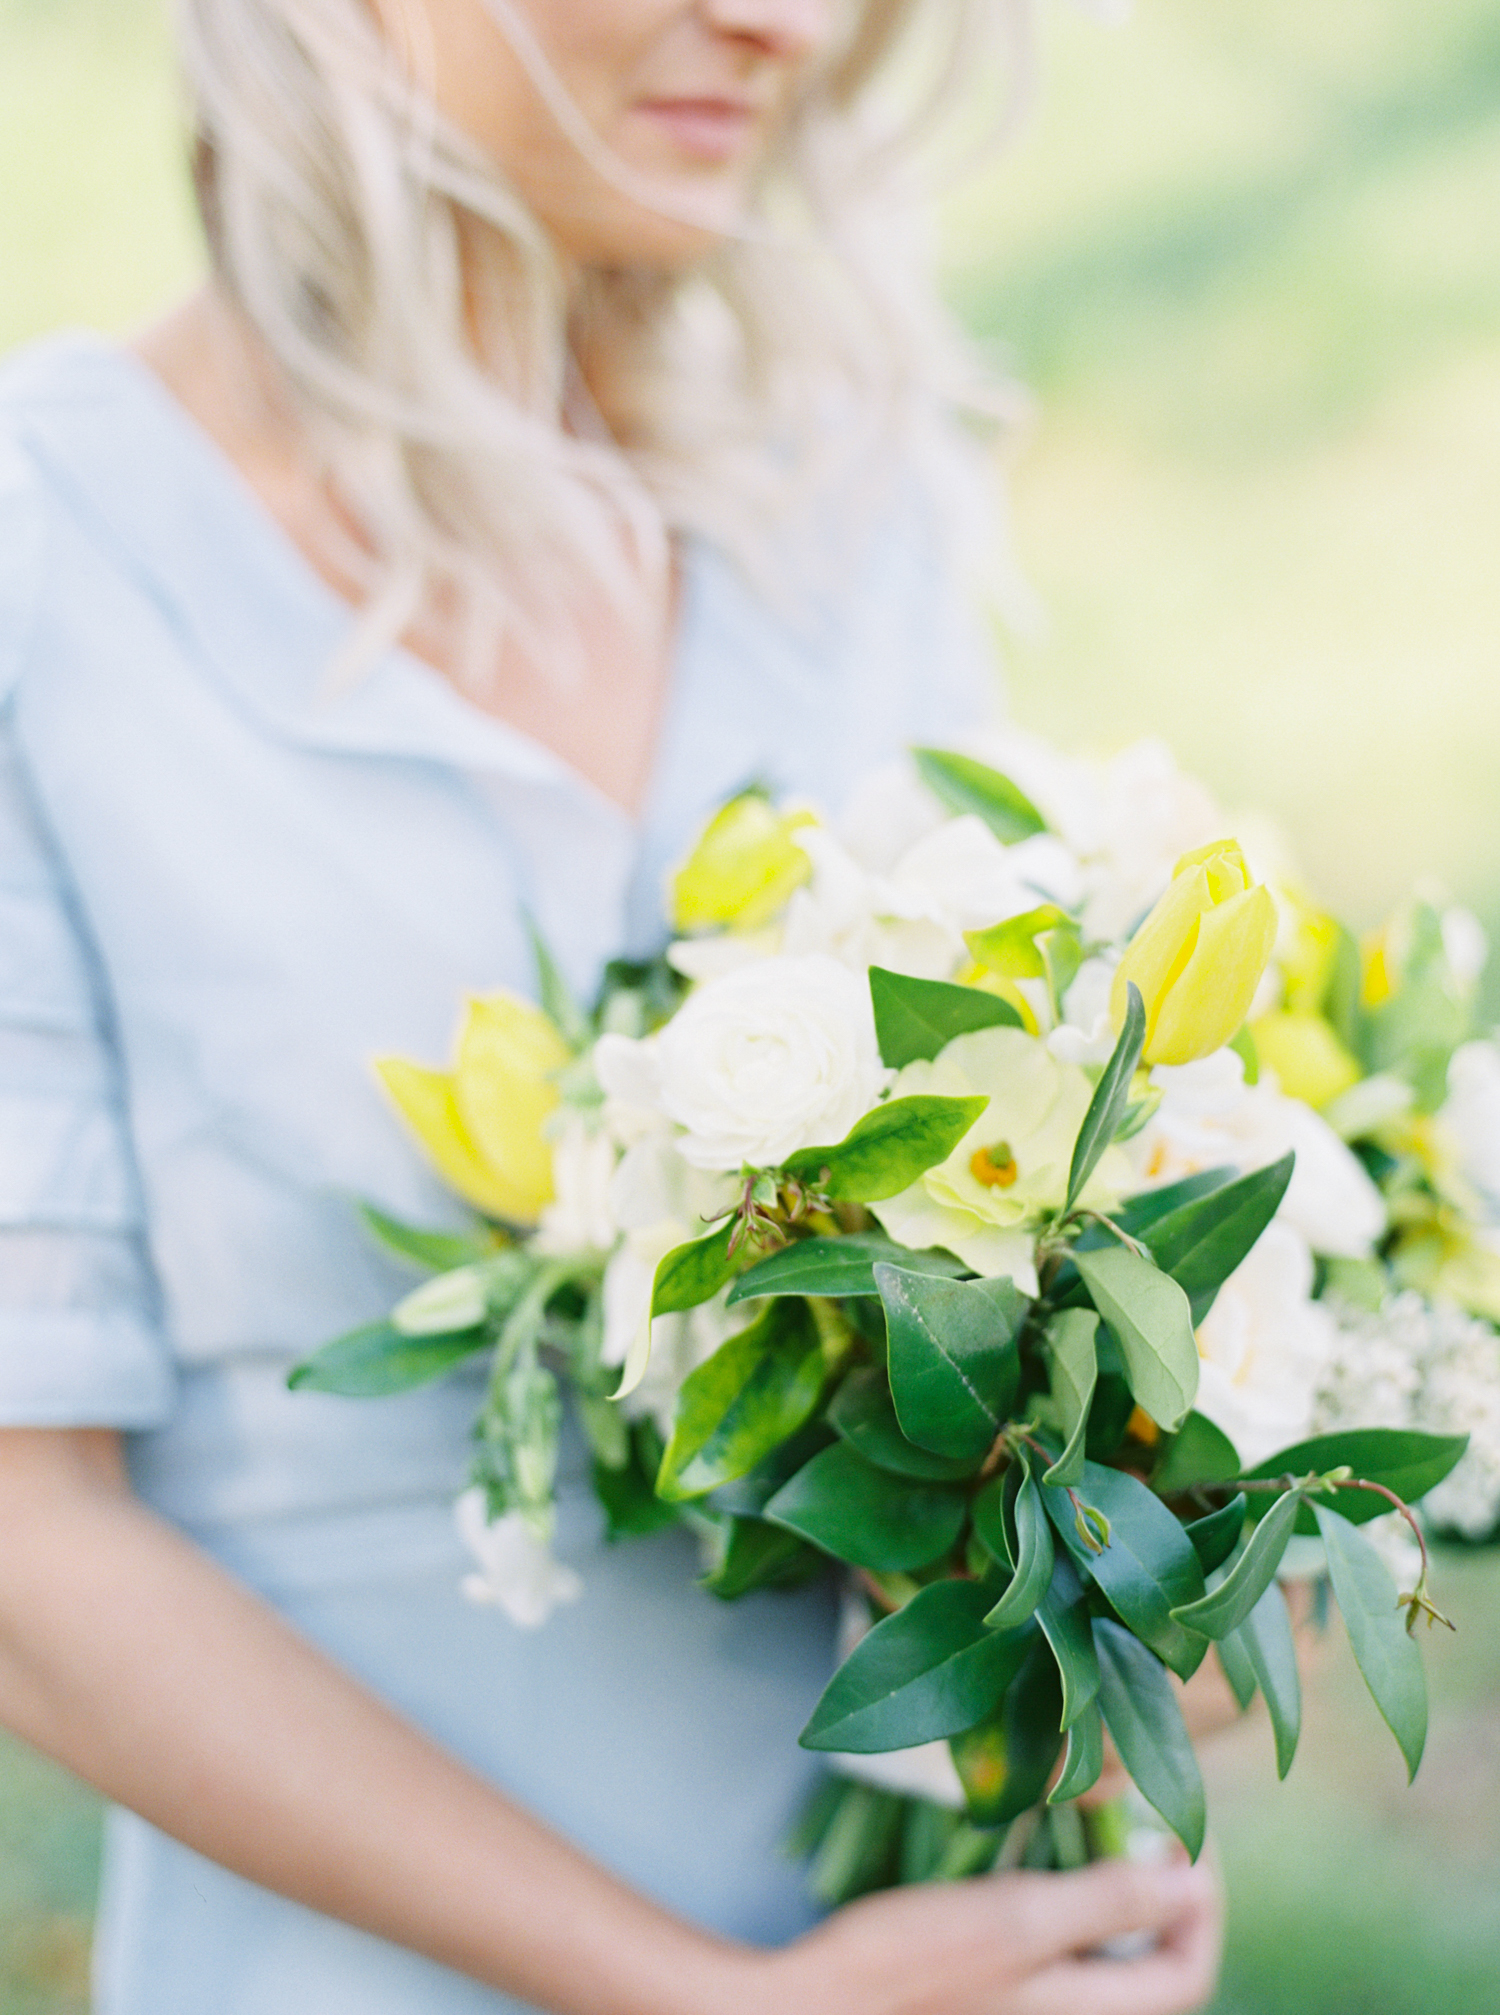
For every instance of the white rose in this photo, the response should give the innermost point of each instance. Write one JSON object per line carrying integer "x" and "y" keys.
{"x": 1472, "y": 1115}
{"x": 579, "y": 1217}
{"x": 517, "y": 1572}
{"x": 772, "y": 1058}
{"x": 1265, "y": 1346}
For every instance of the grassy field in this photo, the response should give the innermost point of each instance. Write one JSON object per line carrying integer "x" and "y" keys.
{"x": 1239, "y": 258}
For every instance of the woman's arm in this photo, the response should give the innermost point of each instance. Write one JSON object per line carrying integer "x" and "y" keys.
{"x": 133, "y": 1659}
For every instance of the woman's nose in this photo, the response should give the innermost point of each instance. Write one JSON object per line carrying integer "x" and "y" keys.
{"x": 782, "y": 27}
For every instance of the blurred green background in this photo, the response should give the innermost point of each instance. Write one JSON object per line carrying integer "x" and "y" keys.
{"x": 1245, "y": 258}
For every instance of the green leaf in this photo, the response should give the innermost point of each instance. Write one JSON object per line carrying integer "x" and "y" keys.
{"x": 1226, "y": 1607}
{"x": 693, "y": 1273}
{"x": 1031, "y": 1564}
{"x": 373, "y": 1362}
{"x": 1199, "y": 1453}
{"x": 1111, "y": 1097}
{"x": 1403, "y": 1460}
{"x": 988, "y": 1511}
{"x": 1004, "y": 1763}
{"x": 1266, "y": 1639}
{"x": 963, "y": 785}
{"x": 1202, "y": 1243}
{"x": 632, "y": 1508}
{"x": 1141, "y": 1713}
{"x": 885, "y": 1152}
{"x": 1074, "y": 1363}
{"x": 1234, "y": 1659}
{"x": 914, "y": 1019}
{"x": 922, "y": 1675}
{"x": 865, "y": 1515}
{"x": 1215, "y": 1537}
{"x": 1011, "y": 948}
{"x": 1149, "y": 1206}
{"x": 1084, "y": 1763}
{"x": 753, "y": 1393}
{"x": 1151, "y": 1321}
{"x": 952, "y": 1356}
{"x": 1384, "y": 1652}
{"x": 438, "y": 1251}
{"x": 1147, "y": 1570}
{"x": 758, "y": 1555}
{"x": 835, "y": 1267}
{"x": 1063, "y": 1614}
{"x": 557, "y": 1001}
{"x": 862, "y": 1414}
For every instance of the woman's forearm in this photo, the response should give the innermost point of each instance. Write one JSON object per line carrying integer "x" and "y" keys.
{"x": 130, "y": 1657}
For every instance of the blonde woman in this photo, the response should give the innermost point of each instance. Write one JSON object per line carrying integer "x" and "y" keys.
{"x": 556, "y": 445}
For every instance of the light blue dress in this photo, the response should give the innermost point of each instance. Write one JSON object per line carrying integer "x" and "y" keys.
{"x": 222, "y": 891}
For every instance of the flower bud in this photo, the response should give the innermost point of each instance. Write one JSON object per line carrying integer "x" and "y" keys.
{"x": 484, "y": 1123}
{"x": 744, "y": 868}
{"x": 1199, "y": 956}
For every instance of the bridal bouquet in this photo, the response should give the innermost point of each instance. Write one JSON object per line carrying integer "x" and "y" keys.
{"x": 1004, "y": 1193}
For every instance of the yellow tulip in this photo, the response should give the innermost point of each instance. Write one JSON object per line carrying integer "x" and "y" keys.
{"x": 1308, "y": 953}
{"x": 1199, "y": 956}
{"x": 1309, "y": 1060}
{"x": 484, "y": 1122}
{"x": 743, "y": 870}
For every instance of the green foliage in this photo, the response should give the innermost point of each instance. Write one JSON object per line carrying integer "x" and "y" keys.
{"x": 866, "y": 1516}
{"x": 915, "y": 1018}
{"x": 1031, "y": 1560}
{"x": 693, "y": 1273}
{"x": 753, "y": 1394}
{"x": 862, "y": 1414}
{"x": 928, "y": 1672}
{"x": 835, "y": 1267}
{"x": 757, "y": 1554}
{"x": 1084, "y": 1762}
{"x": 376, "y": 1361}
{"x": 1201, "y": 1243}
{"x": 436, "y": 1251}
{"x": 627, "y": 1490}
{"x": 1107, "y": 1108}
{"x": 556, "y": 996}
{"x": 1382, "y": 1646}
{"x": 1066, "y": 1620}
{"x": 1073, "y": 1360}
{"x": 1149, "y": 1317}
{"x": 1224, "y": 1608}
{"x": 1147, "y": 1569}
{"x": 952, "y": 1357}
{"x": 1004, "y": 1762}
{"x": 1265, "y": 1644}
{"x": 1216, "y": 1536}
{"x": 885, "y": 1152}
{"x": 1406, "y": 1462}
{"x": 1199, "y": 1453}
{"x": 961, "y": 785}
{"x": 1141, "y": 1713}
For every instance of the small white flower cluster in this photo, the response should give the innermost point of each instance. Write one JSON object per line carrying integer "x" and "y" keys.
{"x": 1413, "y": 1364}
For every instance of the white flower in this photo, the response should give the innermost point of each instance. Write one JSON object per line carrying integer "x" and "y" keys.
{"x": 1472, "y": 1115}
{"x": 517, "y": 1572}
{"x": 778, "y": 1056}
{"x": 1466, "y": 946}
{"x": 1086, "y": 1033}
{"x": 1265, "y": 1347}
{"x": 579, "y": 1217}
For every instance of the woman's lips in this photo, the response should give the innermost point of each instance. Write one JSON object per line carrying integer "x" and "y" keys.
{"x": 710, "y": 129}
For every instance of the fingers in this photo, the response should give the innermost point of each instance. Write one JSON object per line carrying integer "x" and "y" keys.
{"x": 1068, "y": 1916}
{"x": 1176, "y": 1977}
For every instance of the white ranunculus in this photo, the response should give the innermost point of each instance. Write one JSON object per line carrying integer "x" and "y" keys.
{"x": 778, "y": 1056}
{"x": 579, "y": 1217}
{"x": 1265, "y": 1347}
{"x": 889, "y": 811}
{"x": 1086, "y": 1033}
{"x": 963, "y": 875}
{"x": 516, "y": 1570}
{"x": 1472, "y": 1115}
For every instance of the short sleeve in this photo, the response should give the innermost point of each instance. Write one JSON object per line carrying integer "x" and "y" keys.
{"x": 80, "y": 1343}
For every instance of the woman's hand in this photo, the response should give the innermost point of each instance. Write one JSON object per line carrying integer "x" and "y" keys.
{"x": 1009, "y": 1945}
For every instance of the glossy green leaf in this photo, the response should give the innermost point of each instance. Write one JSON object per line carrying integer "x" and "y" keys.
{"x": 1073, "y": 1359}
{"x": 1011, "y": 948}
{"x": 990, "y": 1525}
{"x": 887, "y": 1150}
{"x": 627, "y": 1492}
{"x": 759, "y": 1555}
{"x": 1063, "y": 1614}
{"x": 1151, "y": 1321}
{"x": 1149, "y": 1206}
{"x": 1199, "y": 1453}
{"x": 1005, "y": 1762}
{"x": 914, "y": 1019}
{"x": 952, "y": 1357}
{"x": 1084, "y": 1763}
{"x": 1403, "y": 1460}
{"x": 1202, "y": 1243}
{"x": 1149, "y": 1567}
{"x": 753, "y": 1393}
{"x": 866, "y": 1516}
{"x": 922, "y": 1675}
{"x": 1111, "y": 1097}
{"x": 693, "y": 1273}
{"x": 1216, "y": 1536}
{"x": 862, "y": 1414}
{"x": 1266, "y": 1638}
{"x": 376, "y": 1361}
{"x": 1234, "y": 1660}
{"x": 1032, "y": 1563}
{"x": 1141, "y": 1713}
{"x": 1226, "y": 1607}
{"x": 1376, "y": 1626}
{"x": 835, "y": 1268}
{"x": 438, "y": 1251}
{"x": 964, "y": 785}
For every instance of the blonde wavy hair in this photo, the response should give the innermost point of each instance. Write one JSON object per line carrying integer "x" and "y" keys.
{"x": 802, "y": 360}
